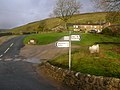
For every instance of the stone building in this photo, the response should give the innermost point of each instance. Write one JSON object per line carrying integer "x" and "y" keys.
{"x": 88, "y": 27}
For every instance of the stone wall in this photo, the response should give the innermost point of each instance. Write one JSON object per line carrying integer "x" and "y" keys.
{"x": 79, "y": 81}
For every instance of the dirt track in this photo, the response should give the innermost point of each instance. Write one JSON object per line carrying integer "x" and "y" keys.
{"x": 42, "y": 52}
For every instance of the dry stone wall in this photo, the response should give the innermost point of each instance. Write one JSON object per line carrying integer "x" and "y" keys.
{"x": 79, "y": 81}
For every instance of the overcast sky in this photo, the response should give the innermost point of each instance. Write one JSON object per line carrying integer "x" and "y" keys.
{"x": 15, "y": 13}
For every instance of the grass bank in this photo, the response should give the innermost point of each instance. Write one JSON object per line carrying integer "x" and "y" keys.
{"x": 90, "y": 39}
{"x": 105, "y": 63}
{"x": 45, "y": 38}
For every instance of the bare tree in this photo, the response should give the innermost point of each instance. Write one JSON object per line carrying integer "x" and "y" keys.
{"x": 65, "y": 9}
{"x": 110, "y": 6}
{"x": 107, "y": 5}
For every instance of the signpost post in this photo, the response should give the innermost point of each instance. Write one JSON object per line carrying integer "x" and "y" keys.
{"x": 67, "y": 43}
{"x": 70, "y": 62}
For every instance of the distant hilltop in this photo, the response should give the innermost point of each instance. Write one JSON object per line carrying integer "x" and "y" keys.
{"x": 2, "y": 30}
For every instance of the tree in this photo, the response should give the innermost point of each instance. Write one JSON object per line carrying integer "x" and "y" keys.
{"x": 65, "y": 9}
{"x": 107, "y": 5}
{"x": 110, "y": 6}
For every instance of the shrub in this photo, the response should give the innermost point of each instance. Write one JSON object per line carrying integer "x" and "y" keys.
{"x": 116, "y": 30}
{"x": 112, "y": 31}
{"x": 107, "y": 31}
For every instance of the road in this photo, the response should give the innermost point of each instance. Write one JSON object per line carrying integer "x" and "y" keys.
{"x": 11, "y": 48}
{"x": 15, "y": 73}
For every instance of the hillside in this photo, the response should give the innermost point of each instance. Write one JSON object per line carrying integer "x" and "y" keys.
{"x": 3, "y": 30}
{"x": 50, "y": 23}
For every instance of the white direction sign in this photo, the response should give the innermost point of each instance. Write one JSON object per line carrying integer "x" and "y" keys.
{"x": 73, "y": 37}
{"x": 62, "y": 44}
{"x": 66, "y": 37}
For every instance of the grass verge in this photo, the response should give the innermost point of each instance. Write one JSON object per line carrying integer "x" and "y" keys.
{"x": 5, "y": 38}
{"x": 105, "y": 63}
{"x": 45, "y": 38}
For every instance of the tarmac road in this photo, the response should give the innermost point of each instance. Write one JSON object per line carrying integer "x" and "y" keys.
{"x": 11, "y": 48}
{"x": 16, "y": 74}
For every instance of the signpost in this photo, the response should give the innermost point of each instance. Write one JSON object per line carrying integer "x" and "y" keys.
{"x": 67, "y": 43}
{"x": 62, "y": 44}
{"x": 73, "y": 38}
{"x": 66, "y": 38}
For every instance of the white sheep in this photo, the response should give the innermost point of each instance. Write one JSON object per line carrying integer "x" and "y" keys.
{"x": 94, "y": 49}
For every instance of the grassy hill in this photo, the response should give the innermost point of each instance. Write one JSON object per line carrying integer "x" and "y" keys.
{"x": 53, "y": 22}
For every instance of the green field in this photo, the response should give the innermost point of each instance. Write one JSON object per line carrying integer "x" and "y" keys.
{"x": 90, "y": 39}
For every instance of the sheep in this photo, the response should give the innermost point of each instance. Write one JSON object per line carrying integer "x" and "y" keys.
{"x": 94, "y": 49}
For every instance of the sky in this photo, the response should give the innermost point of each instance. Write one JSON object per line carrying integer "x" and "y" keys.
{"x": 14, "y": 13}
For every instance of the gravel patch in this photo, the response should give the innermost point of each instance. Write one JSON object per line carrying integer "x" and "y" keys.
{"x": 42, "y": 52}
